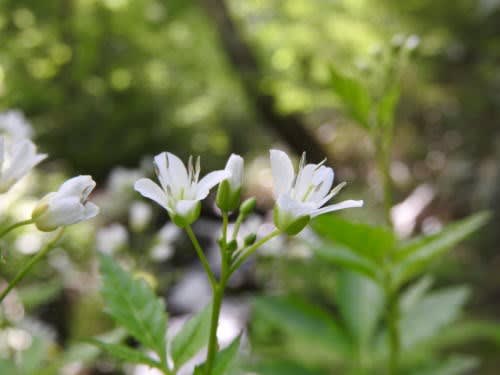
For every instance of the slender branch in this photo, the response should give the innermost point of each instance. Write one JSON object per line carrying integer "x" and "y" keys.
{"x": 201, "y": 255}
{"x": 213, "y": 345}
{"x": 27, "y": 267}
{"x": 14, "y": 226}
{"x": 246, "y": 252}
{"x": 237, "y": 226}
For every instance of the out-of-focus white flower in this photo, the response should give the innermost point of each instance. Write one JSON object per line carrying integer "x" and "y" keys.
{"x": 29, "y": 243}
{"x": 228, "y": 195}
{"x": 122, "y": 179}
{"x": 301, "y": 196}
{"x": 111, "y": 238}
{"x": 180, "y": 192}
{"x": 15, "y": 126}
{"x": 69, "y": 205}
{"x": 16, "y": 160}
{"x": 140, "y": 215}
{"x": 164, "y": 246}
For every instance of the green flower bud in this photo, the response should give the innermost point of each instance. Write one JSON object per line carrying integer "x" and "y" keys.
{"x": 248, "y": 206}
{"x": 232, "y": 245}
{"x": 250, "y": 239}
{"x": 227, "y": 199}
{"x": 184, "y": 219}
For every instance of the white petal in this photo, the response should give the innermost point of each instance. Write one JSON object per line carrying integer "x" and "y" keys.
{"x": 304, "y": 182}
{"x": 209, "y": 181}
{"x": 151, "y": 190}
{"x": 292, "y": 207}
{"x": 61, "y": 211}
{"x": 235, "y": 167}
{"x": 337, "y": 206}
{"x": 177, "y": 171}
{"x": 282, "y": 171}
{"x": 90, "y": 210}
{"x": 79, "y": 186}
{"x": 323, "y": 176}
{"x": 184, "y": 207}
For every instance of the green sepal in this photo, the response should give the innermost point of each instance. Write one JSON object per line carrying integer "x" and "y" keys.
{"x": 247, "y": 207}
{"x": 288, "y": 224}
{"x": 183, "y": 221}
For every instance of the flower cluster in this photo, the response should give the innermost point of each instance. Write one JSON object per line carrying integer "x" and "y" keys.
{"x": 299, "y": 196}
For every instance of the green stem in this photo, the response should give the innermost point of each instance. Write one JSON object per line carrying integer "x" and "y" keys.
{"x": 201, "y": 255}
{"x": 394, "y": 334}
{"x": 245, "y": 253}
{"x": 213, "y": 345}
{"x": 237, "y": 226}
{"x": 14, "y": 226}
{"x": 27, "y": 267}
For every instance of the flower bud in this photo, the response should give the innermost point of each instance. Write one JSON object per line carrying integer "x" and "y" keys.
{"x": 228, "y": 194}
{"x": 232, "y": 245}
{"x": 247, "y": 207}
{"x": 250, "y": 239}
{"x": 67, "y": 206}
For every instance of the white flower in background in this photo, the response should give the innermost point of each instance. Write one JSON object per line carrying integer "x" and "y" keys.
{"x": 122, "y": 179}
{"x": 302, "y": 196}
{"x": 16, "y": 160}
{"x": 228, "y": 195}
{"x": 66, "y": 206}
{"x": 14, "y": 126}
{"x": 163, "y": 249}
{"x": 181, "y": 190}
{"x": 111, "y": 238}
{"x": 140, "y": 215}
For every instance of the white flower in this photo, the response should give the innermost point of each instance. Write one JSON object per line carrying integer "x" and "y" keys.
{"x": 180, "y": 190}
{"x": 111, "y": 238}
{"x": 302, "y": 196}
{"x": 228, "y": 195}
{"x": 14, "y": 125}
{"x": 16, "y": 160}
{"x": 140, "y": 215}
{"x": 67, "y": 206}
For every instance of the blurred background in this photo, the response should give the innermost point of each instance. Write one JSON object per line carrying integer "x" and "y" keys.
{"x": 106, "y": 84}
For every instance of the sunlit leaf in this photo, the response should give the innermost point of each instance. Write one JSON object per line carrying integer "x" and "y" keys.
{"x": 456, "y": 365}
{"x": 132, "y": 303}
{"x": 365, "y": 240}
{"x": 354, "y": 95}
{"x": 225, "y": 360}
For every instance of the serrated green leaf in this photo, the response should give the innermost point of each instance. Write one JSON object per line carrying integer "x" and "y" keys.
{"x": 133, "y": 305}
{"x": 192, "y": 337}
{"x": 300, "y": 318}
{"x": 435, "y": 311}
{"x": 124, "y": 353}
{"x": 342, "y": 256}
{"x": 416, "y": 255}
{"x": 361, "y": 303}
{"x": 354, "y": 95}
{"x": 455, "y": 365}
{"x": 365, "y": 240}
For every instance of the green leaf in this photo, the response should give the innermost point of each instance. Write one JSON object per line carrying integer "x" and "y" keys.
{"x": 192, "y": 337}
{"x": 224, "y": 360}
{"x": 436, "y": 310}
{"x": 387, "y": 107}
{"x": 124, "y": 353}
{"x": 354, "y": 95}
{"x": 414, "y": 293}
{"x": 365, "y": 240}
{"x": 416, "y": 255}
{"x": 361, "y": 303}
{"x": 281, "y": 368}
{"x": 300, "y": 318}
{"x": 132, "y": 303}
{"x": 455, "y": 365}
{"x": 342, "y": 256}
